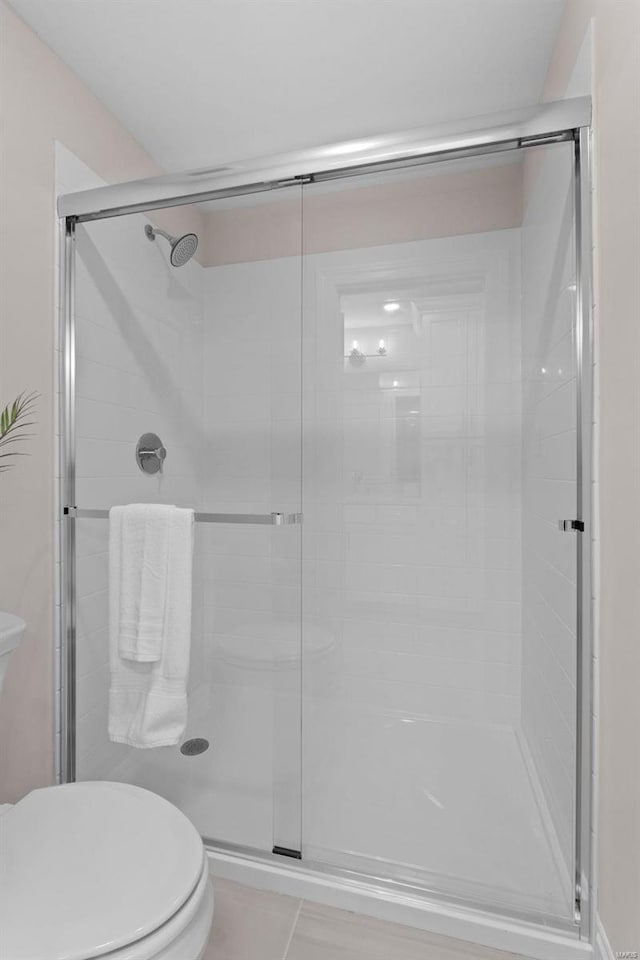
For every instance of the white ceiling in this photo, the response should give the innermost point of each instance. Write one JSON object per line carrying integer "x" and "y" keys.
{"x": 201, "y": 82}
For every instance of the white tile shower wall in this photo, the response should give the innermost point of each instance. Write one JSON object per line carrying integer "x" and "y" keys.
{"x": 252, "y": 573}
{"x": 412, "y": 479}
{"x": 549, "y": 490}
{"x": 139, "y": 369}
{"x": 412, "y": 598}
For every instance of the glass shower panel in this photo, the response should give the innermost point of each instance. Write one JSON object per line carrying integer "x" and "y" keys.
{"x": 206, "y": 356}
{"x": 439, "y": 596}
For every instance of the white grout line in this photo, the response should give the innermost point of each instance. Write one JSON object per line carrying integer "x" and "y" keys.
{"x": 293, "y": 930}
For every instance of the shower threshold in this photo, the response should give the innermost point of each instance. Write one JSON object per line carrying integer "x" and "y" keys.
{"x": 394, "y": 902}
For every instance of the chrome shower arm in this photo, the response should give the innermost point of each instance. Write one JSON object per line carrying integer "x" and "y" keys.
{"x": 152, "y": 232}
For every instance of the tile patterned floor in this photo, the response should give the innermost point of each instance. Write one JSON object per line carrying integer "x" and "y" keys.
{"x": 256, "y": 925}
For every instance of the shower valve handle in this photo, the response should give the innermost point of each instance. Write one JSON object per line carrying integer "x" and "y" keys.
{"x": 160, "y": 453}
{"x": 150, "y": 453}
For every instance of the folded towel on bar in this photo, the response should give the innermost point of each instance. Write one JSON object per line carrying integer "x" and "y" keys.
{"x": 150, "y": 573}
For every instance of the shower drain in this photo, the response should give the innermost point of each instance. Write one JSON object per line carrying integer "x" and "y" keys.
{"x": 191, "y": 748}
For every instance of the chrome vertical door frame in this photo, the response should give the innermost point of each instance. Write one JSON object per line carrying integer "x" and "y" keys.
{"x": 584, "y": 539}
{"x": 67, "y": 522}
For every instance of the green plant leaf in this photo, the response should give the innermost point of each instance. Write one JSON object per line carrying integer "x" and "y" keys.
{"x": 13, "y": 420}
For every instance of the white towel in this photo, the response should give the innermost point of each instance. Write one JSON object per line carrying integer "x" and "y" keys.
{"x": 150, "y": 561}
{"x": 143, "y": 530}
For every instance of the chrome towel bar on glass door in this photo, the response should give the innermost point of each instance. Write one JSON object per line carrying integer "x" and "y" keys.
{"x": 268, "y": 519}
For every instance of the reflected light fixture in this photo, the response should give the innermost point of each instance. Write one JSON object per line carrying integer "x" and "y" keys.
{"x": 391, "y": 306}
{"x": 357, "y": 357}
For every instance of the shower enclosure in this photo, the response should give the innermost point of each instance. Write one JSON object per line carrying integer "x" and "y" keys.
{"x": 372, "y": 382}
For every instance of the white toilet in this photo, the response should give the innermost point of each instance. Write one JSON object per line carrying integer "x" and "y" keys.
{"x": 99, "y": 869}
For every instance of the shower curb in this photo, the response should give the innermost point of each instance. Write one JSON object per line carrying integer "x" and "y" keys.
{"x": 431, "y": 916}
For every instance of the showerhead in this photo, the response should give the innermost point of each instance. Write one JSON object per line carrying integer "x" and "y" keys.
{"x": 182, "y": 248}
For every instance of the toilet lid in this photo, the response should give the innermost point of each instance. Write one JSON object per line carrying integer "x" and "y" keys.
{"x": 87, "y": 868}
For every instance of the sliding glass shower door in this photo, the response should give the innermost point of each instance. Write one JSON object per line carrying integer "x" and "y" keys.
{"x": 205, "y": 356}
{"x": 439, "y": 600}
{"x": 367, "y": 387}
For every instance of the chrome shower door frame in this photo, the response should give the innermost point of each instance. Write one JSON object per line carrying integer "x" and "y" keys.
{"x": 585, "y": 734}
{"x": 67, "y": 495}
{"x": 564, "y": 121}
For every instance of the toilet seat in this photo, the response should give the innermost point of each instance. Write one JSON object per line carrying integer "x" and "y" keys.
{"x": 88, "y": 869}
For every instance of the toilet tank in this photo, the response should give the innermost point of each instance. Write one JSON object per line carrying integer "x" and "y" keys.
{"x": 11, "y": 633}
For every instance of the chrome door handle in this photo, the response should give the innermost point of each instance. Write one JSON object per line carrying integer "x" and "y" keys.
{"x": 567, "y": 526}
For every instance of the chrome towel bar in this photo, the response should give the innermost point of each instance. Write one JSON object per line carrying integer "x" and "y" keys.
{"x": 267, "y": 519}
